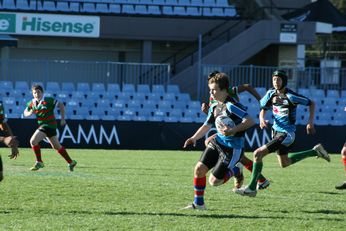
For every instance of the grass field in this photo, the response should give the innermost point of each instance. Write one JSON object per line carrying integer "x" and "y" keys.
{"x": 144, "y": 190}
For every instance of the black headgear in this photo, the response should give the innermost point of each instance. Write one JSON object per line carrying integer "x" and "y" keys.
{"x": 282, "y": 74}
{"x": 213, "y": 74}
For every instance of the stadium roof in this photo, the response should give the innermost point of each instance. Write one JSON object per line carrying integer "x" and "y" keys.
{"x": 319, "y": 11}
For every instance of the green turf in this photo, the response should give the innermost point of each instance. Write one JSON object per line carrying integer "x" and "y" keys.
{"x": 144, "y": 190}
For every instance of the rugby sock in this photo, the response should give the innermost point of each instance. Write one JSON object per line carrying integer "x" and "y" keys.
{"x": 298, "y": 156}
{"x": 248, "y": 166}
{"x": 344, "y": 162}
{"x": 1, "y": 175}
{"x": 0, "y": 164}
{"x": 62, "y": 151}
{"x": 257, "y": 169}
{"x": 37, "y": 151}
{"x": 228, "y": 175}
{"x": 199, "y": 187}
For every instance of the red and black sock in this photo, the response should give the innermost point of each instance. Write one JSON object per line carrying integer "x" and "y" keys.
{"x": 62, "y": 151}
{"x": 37, "y": 151}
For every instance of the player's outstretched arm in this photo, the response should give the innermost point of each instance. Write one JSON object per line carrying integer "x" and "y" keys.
{"x": 250, "y": 89}
{"x": 263, "y": 121}
{"x": 198, "y": 135}
{"x": 310, "y": 128}
{"x": 62, "y": 113}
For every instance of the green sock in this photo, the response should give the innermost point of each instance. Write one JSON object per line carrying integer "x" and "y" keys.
{"x": 298, "y": 156}
{"x": 256, "y": 171}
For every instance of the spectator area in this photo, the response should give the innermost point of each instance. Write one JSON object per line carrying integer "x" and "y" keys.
{"x": 128, "y": 102}
{"x": 199, "y": 8}
{"x": 108, "y": 102}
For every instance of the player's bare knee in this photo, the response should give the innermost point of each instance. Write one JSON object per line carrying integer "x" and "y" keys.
{"x": 257, "y": 155}
{"x": 213, "y": 181}
{"x": 200, "y": 170}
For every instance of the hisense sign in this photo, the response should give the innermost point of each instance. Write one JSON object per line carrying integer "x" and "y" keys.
{"x": 49, "y": 25}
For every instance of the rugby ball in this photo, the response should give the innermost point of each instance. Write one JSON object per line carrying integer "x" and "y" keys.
{"x": 222, "y": 121}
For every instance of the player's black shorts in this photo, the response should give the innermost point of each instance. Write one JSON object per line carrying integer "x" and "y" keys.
{"x": 219, "y": 158}
{"x": 281, "y": 142}
{"x": 50, "y": 132}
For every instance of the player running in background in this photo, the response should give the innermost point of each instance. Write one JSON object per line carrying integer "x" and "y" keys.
{"x": 224, "y": 152}
{"x": 8, "y": 139}
{"x": 43, "y": 107}
{"x": 283, "y": 102}
{"x": 233, "y": 92}
{"x": 343, "y": 159}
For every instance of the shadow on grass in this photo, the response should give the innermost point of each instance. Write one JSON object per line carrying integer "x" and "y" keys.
{"x": 326, "y": 212}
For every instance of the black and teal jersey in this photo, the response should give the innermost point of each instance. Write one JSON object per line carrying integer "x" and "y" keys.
{"x": 284, "y": 113}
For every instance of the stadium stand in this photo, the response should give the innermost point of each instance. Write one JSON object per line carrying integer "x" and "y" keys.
{"x": 210, "y": 8}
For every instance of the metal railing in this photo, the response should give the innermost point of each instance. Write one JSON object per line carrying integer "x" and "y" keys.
{"x": 84, "y": 71}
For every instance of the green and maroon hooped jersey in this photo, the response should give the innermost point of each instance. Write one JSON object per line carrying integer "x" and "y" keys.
{"x": 44, "y": 111}
{"x": 232, "y": 92}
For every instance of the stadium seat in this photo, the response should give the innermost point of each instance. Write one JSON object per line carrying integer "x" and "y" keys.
{"x": 125, "y": 118}
{"x": 22, "y": 5}
{"x": 77, "y": 117}
{"x": 103, "y": 103}
{"x": 6, "y": 86}
{"x": 304, "y": 92}
{"x": 128, "y": 88}
{"x": 62, "y": 6}
{"x": 108, "y": 117}
{"x": 167, "y": 10}
{"x": 139, "y": 96}
{"x": 53, "y": 87}
{"x": 67, "y": 87}
{"x": 113, "y": 87}
{"x": 154, "y": 96}
{"x": 98, "y": 111}
{"x": 143, "y": 88}
{"x": 164, "y": 105}
{"x": 145, "y": 112}
{"x": 48, "y": 6}
{"x": 222, "y": 3}
{"x": 333, "y": 93}
{"x": 159, "y": 89}
{"x": 184, "y": 97}
{"x": 154, "y": 10}
{"x": 150, "y": 104}
{"x": 141, "y": 9}
{"x": 83, "y": 87}
{"x": 93, "y": 117}
{"x": 128, "y": 9}
{"x": 179, "y": 10}
{"x": 171, "y": 2}
{"x": 119, "y": 103}
{"x": 22, "y": 86}
{"x": 169, "y": 97}
{"x": 209, "y": 3}
{"x": 194, "y": 105}
{"x": 134, "y": 104}
{"x": 80, "y": 95}
{"x": 8, "y": 4}
{"x": 98, "y": 87}
{"x": 197, "y": 3}
{"x": 102, "y": 8}
{"x": 82, "y": 111}
{"x": 193, "y": 11}
{"x": 231, "y": 12}
{"x": 159, "y": 2}
{"x": 184, "y": 2}
{"x": 114, "y": 8}
{"x": 173, "y": 89}
{"x": 125, "y": 95}
{"x": 88, "y": 7}
{"x": 216, "y": 11}
{"x": 141, "y": 118}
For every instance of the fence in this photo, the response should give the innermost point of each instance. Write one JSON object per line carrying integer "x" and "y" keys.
{"x": 75, "y": 71}
{"x": 138, "y": 73}
{"x": 260, "y": 76}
